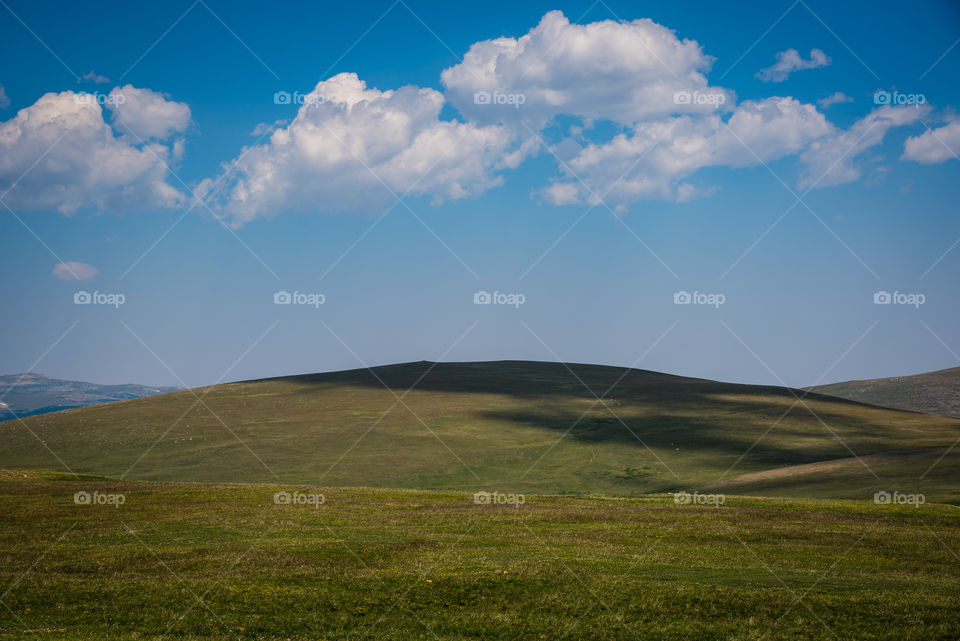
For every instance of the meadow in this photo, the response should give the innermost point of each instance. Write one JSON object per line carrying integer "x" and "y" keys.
{"x": 219, "y": 561}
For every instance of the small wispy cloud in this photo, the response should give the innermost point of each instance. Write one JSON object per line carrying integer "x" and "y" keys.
{"x": 71, "y": 270}
{"x": 789, "y": 61}
{"x": 4, "y": 100}
{"x": 91, "y": 76}
{"x": 835, "y": 98}
{"x": 264, "y": 127}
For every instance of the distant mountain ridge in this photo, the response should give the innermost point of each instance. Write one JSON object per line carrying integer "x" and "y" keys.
{"x": 28, "y": 394}
{"x": 930, "y": 393}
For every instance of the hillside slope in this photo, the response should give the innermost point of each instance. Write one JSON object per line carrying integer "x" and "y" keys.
{"x": 931, "y": 393}
{"x": 507, "y": 426}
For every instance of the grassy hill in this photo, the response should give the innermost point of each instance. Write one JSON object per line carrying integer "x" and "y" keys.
{"x": 507, "y": 426}
{"x": 931, "y": 393}
{"x": 213, "y": 562}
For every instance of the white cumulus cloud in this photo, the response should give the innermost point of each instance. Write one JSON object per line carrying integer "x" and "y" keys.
{"x": 934, "y": 145}
{"x": 146, "y": 114}
{"x": 789, "y": 61}
{"x": 655, "y": 157}
{"x": 347, "y": 139}
{"x": 59, "y": 153}
{"x": 626, "y": 106}
{"x": 350, "y": 146}
{"x": 834, "y": 160}
{"x": 620, "y": 71}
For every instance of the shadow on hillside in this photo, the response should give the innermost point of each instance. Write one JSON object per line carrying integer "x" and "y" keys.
{"x": 662, "y": 411}
{"x": 527, "y": 379}
{"x": 719, "y": 434}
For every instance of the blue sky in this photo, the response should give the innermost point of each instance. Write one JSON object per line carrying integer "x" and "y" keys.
{"x": 597, "y": 198}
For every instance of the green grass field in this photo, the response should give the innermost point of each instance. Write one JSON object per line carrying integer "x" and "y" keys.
{"x": 511, "y": 426}
{"x": 211, "y": 562}
{"x": 399, "y": 549}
